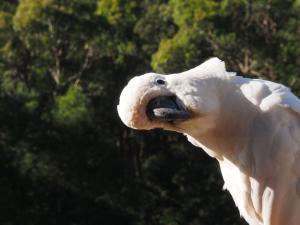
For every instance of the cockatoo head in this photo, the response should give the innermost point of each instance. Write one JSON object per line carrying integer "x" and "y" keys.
{"x": 176, "y": 101}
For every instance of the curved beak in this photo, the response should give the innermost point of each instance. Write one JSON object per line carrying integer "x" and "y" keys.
{"x": 166, "y": 109}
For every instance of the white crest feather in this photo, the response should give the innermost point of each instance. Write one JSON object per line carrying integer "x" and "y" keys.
{"x": 212, "y": 67}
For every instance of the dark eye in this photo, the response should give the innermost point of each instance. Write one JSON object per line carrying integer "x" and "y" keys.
{"x": 160, "y": 81}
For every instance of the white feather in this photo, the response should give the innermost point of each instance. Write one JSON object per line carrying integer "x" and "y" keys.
{"x": 251, "y": 126}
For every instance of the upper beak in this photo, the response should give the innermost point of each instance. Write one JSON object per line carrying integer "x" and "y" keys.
{"x": 166, "y": 108}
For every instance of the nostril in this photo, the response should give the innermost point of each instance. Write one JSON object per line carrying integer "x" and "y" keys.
{"x": 160, "y": 81}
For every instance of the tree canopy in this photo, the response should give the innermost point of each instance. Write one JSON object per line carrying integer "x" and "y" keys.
{"x": 65, "y": 156}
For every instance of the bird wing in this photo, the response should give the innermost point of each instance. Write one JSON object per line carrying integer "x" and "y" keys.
{"x": 276, "y": 150}
{"x": 267, "y": 94}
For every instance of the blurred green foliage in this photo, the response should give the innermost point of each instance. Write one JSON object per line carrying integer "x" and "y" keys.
{"x": 66, "y": 158}
{"x": 71, "y": 108}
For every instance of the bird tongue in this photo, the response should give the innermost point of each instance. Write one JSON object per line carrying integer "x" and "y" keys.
{"x": 165, "y": 108}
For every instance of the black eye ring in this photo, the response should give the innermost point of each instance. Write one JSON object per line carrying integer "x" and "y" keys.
{"x": 160, "y": 81}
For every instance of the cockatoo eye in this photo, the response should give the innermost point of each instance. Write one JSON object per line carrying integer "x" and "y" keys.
{"x": 160, "y": 81}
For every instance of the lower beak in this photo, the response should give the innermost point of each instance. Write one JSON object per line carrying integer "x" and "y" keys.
{"x": 167, "y": 109}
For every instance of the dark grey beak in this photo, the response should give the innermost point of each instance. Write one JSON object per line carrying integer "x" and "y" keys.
{"x": 167, "y": 109}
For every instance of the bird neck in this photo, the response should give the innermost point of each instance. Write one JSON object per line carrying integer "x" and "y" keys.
{"x": 231, "y": 133}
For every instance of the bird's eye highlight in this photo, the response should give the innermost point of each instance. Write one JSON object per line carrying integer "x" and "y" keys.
{"x": 160, "y": 81}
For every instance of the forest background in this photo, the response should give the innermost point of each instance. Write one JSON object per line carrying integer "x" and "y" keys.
{"x": 65, "y": 156}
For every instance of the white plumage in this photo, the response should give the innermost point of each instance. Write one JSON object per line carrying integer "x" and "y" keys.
{"x": 251, "y": 126}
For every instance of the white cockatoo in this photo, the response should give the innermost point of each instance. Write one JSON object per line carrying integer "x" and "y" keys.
{"x": 251, "y": 126}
